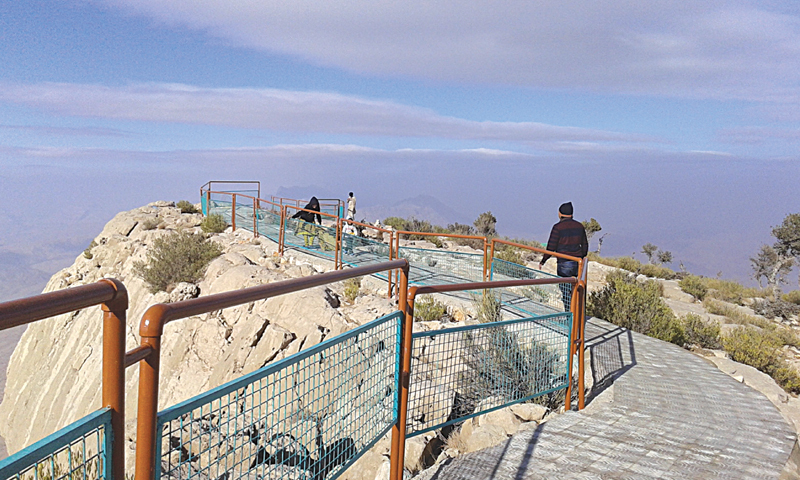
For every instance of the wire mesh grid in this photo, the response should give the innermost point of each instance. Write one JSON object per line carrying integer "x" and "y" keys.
{"x": 309, "y": 416}
{"x": 358, "y": 251}
{"x": 77, "y": 452}
{"x": 221, "y": 204}
{"x": 530, "y": 300}
{"x": 268, "y": 223}
{"x": 437, "y": 267}
{"x": 458, "y": 373}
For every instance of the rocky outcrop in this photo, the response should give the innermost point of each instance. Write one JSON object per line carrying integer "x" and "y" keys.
{"x": 54, "y": 373}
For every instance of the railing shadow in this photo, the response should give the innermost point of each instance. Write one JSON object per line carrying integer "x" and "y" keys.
{"x": 612, "y": 354}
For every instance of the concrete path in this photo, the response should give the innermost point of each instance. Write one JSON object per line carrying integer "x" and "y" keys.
{"x": 664, "y": 414}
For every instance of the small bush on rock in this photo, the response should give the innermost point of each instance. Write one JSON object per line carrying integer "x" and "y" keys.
{"x": 637, "y": 306}
{"x": 694, "y": 286}
{"x": 214, "y": 223}
{"x": 792, "y": 297}
{"x": 428, "y": 309}
{"x": 186, "y": 207}
{"x": 351, "y": 288}
{"x": 149, "y": 224}
{"x": 88, "y": 252}
{"x": 752, "y": 346}
{"x": 777, "y": 308}
{"x": 175, "y": 258}
{"x": 701, "y": 332}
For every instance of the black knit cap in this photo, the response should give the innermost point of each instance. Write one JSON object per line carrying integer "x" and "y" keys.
{"x": 565, "y": 209}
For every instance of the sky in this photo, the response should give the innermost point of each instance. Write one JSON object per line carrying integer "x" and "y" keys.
{"x": 670, "y": 122}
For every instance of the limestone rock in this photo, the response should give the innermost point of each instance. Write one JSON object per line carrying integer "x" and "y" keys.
{"x": 529, "y": 412}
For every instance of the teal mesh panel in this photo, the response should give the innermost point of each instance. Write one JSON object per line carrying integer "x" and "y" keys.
{"x": 437, "y": 267}
{"x": 203, "y": 204}
{"x": 79, "y": 451}
{"x": 221, "y": 205}
{"x": 309, "y": 416}
{"x": 359, "y": 251}
{"x": 268, "y": 223}
{"x": 458, "y": 373}
{"x": 532, "y": 300}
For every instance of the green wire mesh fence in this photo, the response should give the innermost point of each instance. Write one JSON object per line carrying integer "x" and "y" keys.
{"x": 438, "y": 267}
{"x": 80, "y": 451}
{"x": 313, "y": 237}
{"x": 458, "y": 373}
{"x": 534, "y": 300}
{"x": 359, "y": 251}
{"x": 308, "y": 416}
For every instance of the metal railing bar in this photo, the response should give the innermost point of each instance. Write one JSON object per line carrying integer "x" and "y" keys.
{"x": 420, "y": 290}
{"x": 175, "y": 411}
{"x": 38, "y": 307}
{"x": 196, "y": 306}
{"x": 32, "y": 454}
{"x": 136, "y": 354}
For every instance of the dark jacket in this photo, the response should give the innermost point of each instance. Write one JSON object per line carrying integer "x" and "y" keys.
{"x": 307, "y": 216}
{"x": 569, "y": 237}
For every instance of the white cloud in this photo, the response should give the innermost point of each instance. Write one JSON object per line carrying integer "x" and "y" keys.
{"x": 728, "y": 49}
{"x": 289, "y": 111}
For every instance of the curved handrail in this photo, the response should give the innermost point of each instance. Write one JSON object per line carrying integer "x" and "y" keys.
{"x": 112, "y": 296}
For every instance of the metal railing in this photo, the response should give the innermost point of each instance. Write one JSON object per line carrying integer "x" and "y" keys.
{"x": 66, "y": 453}
{"x": 429, "y": 267}
{"x": 332, "y": 453}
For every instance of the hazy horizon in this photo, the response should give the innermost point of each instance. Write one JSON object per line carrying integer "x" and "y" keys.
{"x": 670, "y": 123}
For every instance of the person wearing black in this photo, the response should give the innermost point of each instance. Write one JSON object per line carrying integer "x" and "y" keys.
{"x": 569, "y": 237}
{"x": 308, "y": 215}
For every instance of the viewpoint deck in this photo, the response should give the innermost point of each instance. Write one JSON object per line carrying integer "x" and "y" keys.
{"x": 670, "y": 415}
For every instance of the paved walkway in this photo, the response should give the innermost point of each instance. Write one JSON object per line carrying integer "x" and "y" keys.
{"x": 665, "y": 414}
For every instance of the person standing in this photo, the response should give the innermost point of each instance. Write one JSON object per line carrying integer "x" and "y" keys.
{"x": 351, "y": 206}
{"x": 569, "y": 237}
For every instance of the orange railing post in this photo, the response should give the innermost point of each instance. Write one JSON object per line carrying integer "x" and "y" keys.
{"x": 406, "y": 305}
{"x": 233, "y": 212}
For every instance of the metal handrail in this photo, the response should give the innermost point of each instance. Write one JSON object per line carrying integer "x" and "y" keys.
{"x": 112, "y": 296}
{"x": 151, "y": 329}
{"x": 397, "y": 454}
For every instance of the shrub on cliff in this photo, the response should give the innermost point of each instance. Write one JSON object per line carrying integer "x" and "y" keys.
{"x": 186, "y": 206}
{"x": 694, "y": 286}
{"x": 428, "y": 309}
{"x": 214, "y": 223}
{"x": 637, "y": 306}
{"x": 175, "y": 258}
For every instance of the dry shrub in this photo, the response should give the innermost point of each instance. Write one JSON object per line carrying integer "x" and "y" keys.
{"x": 175, "y": 258}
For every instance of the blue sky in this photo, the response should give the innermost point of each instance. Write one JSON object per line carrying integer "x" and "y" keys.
{"x": 670, "y": 122}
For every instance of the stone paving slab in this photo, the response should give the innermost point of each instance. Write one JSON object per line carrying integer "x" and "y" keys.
{"x": 671, "y": 415}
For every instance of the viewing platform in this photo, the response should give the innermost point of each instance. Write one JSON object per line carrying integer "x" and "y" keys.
{"x": 663, "y": 413}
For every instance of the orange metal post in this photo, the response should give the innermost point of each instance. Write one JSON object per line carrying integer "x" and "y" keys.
{"x": 255, "y": 217}
{"x": 146, "y": 435}
{"x": 338, "y": 247}
{"x": 281, "y": 239}
{"x": 406, "y": 304}
{"x": 114, "y": 317}
{"x": 233, "y": 212}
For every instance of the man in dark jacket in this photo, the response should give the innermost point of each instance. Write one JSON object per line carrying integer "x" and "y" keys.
{"x": 569, "y": 237}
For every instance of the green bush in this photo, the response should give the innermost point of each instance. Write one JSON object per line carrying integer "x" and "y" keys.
{"x": 88, "y": 252}
{"x": 752, "y": 346}
{"x": 214, "y": 223}
{"x": 694, "y": 286}
{"x": 628, "y": 263}
{"x": 396, "y": 223}
{"x": 509, "y": 254}
{"x": 792, "y": 297}
{"x": 787, "y": 378}
{"x": 701, "y": 332}
{"x": 175, "y": 258}
{"x": 428, "y": 309}
{"x": 186, "y": 207}
{"x": 636, "y": 306}
{"x": 436, "y": 241}
{"x": 657, "y": 271}
{"x": 351, "y": 289}
{"x": 488, "y": 307}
